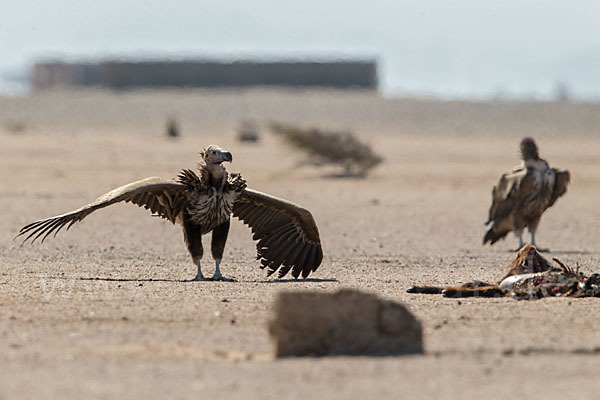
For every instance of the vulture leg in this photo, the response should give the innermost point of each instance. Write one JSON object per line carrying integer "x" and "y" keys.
{"x": 217, "y": 275}
{"x": 199, "y": 276}
{"x": 520, "y": 234}
{"x": 532, "y": 226}
{"x": 533, "y": 243}
{"x": 193, "y": 239}
{"x": 219, "y": 238}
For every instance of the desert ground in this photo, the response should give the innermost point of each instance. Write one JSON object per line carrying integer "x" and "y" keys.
{"x": 104, "y": 310}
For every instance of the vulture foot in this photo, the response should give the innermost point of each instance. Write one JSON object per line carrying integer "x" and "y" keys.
{"x": 220, "y": 278}
{"x": 216, "y": 276}
{"x": 546, "y": 250}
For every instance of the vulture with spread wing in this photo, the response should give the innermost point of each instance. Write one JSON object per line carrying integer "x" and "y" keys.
{"x": 288, "y": 238}
{"x": 523, "y": 194}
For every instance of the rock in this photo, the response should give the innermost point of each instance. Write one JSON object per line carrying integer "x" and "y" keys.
{"x": 348, "y": 322}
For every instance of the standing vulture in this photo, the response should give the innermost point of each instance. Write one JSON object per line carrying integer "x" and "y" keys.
{"x": 523, "y": 194}
{"x": 288, "y": 238}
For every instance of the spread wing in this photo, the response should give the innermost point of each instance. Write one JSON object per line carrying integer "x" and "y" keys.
{"x": 287, "y": 233}
{"x": 163, "y": 197}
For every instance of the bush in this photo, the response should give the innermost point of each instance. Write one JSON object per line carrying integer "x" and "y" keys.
{"x": 340, "y": 148}
{"x": 248, "y": 131}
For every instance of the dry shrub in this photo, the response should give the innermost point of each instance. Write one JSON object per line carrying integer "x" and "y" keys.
{"x": 172, "y": 128}
{"x": 248, "y": 131}
{"x": 340, "y": 148}
{"x": 15, "y": 127}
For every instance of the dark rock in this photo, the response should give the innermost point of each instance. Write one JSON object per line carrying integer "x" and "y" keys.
{"x": 348, "y": 322}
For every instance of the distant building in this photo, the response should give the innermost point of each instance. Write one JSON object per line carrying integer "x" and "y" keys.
{"x": 122, "y": 74}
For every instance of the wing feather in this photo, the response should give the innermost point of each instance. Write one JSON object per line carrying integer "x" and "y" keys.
{"x": 290, "y": 256}
{"x": 287, "y": 235}
{"x": 163, "y": 197}
{"x": 503, "y": 194}
{"x": 507, "y": 197}
{"x": 301, "y": 260}
{"x": 561, "y": 181}
{"x": 293, "y": 260}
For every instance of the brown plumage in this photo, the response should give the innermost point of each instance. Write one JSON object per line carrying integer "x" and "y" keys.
{"x": 288, "y": 238}
{"x": 523, "y": 194}
{"x": 285, "y": 232}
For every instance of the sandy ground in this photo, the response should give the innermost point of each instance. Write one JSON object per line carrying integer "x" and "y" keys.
{"x": 103, "y": 310}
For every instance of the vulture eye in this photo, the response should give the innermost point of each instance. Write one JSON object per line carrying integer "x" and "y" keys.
{"x": 214, "y": 152}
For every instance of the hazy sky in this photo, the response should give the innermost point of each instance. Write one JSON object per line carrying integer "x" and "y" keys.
{"x": 454, "y": 48}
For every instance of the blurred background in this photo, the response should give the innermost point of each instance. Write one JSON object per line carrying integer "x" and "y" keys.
{"x": 455, "y": 49}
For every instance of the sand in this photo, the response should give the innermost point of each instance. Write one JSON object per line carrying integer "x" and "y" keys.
{"x": 104, "y": 310}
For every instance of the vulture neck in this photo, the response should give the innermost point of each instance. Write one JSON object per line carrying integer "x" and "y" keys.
{"x": 535, "y": 163}
{"x": 213, "y": 174}
{"x": 530, "y": 155}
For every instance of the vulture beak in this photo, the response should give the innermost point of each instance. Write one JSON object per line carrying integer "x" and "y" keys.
{"x": 227, "y": 156}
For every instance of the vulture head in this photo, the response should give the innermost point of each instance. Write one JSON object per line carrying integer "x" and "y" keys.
{"x": 214, "y": 154}
{"x": 529, "y": 150}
